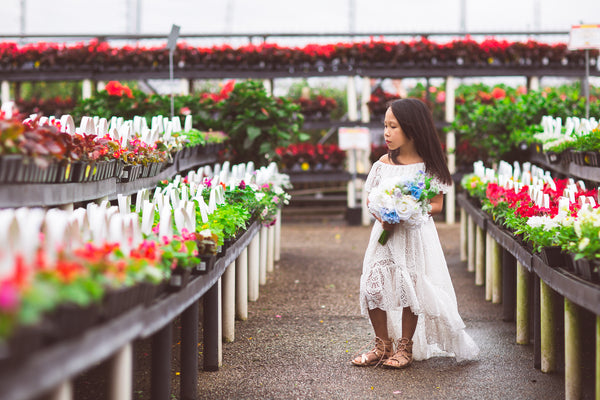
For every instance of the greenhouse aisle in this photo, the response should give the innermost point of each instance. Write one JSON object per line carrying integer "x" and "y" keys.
{"x": 306, "y": 326}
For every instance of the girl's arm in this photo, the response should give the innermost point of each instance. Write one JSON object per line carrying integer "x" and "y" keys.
{"x": 437, "y": 203}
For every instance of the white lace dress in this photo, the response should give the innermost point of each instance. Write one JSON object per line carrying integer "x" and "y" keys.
{"x": 410, "y": 271}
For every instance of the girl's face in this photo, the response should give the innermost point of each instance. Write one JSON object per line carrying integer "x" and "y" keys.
{"x": 393, "y": 134}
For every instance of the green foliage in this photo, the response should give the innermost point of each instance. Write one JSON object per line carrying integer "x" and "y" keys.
{"x": 257, "y": 123}
{"x": 339, "y": 94}
{"x": 494, "y": 129}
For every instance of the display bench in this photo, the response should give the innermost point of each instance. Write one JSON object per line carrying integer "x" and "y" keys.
{"x": 38, "y": 372}
{"x": 533, "y": 294}
{"x": 49, "y": 369}
{"x": 38, "y": 194}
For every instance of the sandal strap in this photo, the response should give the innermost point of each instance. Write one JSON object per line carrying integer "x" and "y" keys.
{"x": 382, "y": 351}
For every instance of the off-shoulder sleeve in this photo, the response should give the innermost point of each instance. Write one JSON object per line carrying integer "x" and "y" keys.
{"x": 373, "y": 178}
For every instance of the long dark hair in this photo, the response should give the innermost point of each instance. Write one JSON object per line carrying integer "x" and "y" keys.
{"x": 416, "y": 121}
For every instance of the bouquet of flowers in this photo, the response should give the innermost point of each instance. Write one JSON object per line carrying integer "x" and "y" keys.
{"x": 400, "y": 199}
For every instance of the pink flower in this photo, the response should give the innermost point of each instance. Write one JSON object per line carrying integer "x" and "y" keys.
{"x": 9, "y": 297}
{"x": 440, "y": 97}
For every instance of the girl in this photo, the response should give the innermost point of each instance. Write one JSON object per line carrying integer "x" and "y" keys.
{"x": 405, "y": 287}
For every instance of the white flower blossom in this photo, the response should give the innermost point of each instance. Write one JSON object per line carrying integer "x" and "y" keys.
{"x": 583, "y": 243}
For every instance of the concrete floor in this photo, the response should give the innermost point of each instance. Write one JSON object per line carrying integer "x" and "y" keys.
{"x": 303, "y": 331}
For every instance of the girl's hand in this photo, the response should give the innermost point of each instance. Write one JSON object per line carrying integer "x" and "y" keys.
{"x": 387, "y": 226}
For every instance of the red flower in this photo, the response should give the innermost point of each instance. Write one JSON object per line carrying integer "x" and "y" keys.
{"x": 115, "y": 88}
{"x": 498, "y": 93}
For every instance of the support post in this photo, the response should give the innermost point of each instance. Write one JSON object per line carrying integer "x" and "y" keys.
{"x": 351, "y": 191}
{"x": 470, "y": 244}
{"x": 189, "y": 352}
{"x": 509, "y": 283}
{"x": 464, "y": 235}
{"x": 522, "y": 304}
{"x": 263, "y": 256}
{"x": 86, "y": 89}
{"x": 365, "y": 115}
{"x": 573, "y": 356}
{"x": 479, "y": 256}
{"x": 351, "y": 99}
{"x": 211, "y": 328}
{"x": 533, "y": 83}
{"x": 64, "y": 391}
{"x": 268, "y": 86}
{"x": 228, "y": 304}
{"x": 496, "y": 273}
{"x": 5, "y": 89}
{"x": 547, "y": 321}
{"x": 121, "y": 367}
{"x": 537, "y": 340}
{"x": 253, "y": 268}
{"x": 489, "y": 262}
{"x": 161, "y": 363}
{"x": 271, "y": 249}
{"x": 241, "y": 286}
{"x": 450, "y": 150}
{"x": 278, "y": 236}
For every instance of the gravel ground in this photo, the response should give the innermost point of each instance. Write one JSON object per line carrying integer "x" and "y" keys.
{"x": 306, "y": 326}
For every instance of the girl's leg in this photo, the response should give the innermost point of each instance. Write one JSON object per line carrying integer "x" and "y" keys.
{"x": 403, "y": 356}
{"x": 409, "y": 323}
{"x": 383, "y": 345}
{"x": 378, "y": 319}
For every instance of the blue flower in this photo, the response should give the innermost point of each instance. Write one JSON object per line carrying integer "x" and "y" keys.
{"x": 416, "y": 191}
{"x": 390, "y": 216}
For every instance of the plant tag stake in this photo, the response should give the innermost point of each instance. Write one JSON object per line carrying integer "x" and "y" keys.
{"x": 166, "y": 222}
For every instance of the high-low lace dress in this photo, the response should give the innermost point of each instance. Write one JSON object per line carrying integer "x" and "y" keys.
{"x": 410, "y": 271}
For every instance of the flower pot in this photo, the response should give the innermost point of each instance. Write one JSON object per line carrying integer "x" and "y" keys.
{"x": 577, "y": 157}
{"x": 179, "y": 279}
{"x": 207, "y": 263}
{"x": 148, "y": 292}
{"x": 130, "y": 172}
{"x": 9, "y": 165}
{"x": 78, "y": 170}
{"x": 553, "y": 157}
{"x": 145, "y": 171}
{"x": 24, "y": 341}
{"x": 119, "y": 300}
{"x": 69, "y": 320}
{"x": 552, "y": 256}
{"x": 590, "y": 158}
{"x": 585, "y": 269}
{"x": 63, "y": 173}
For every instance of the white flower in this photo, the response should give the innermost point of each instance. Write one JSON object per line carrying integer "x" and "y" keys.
{"x": 406, "y": 206}
{"x": 536, "y": 221}
{"x": 583, "y": 243}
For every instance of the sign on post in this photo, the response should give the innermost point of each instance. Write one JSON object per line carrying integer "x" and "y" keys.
{"x": 583, "y": 37}
{"x": 173, "y": 36}
{"x": 356, "y": 138}
{"x": 171, "y": 44}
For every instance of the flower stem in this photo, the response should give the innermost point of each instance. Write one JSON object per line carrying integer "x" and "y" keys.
{"x": 383, "y": 238}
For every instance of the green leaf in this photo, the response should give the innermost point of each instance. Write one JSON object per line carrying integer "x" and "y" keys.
{"x": 253, "y": 132}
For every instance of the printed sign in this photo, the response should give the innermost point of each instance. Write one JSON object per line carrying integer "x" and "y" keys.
{"x": 356, "y": 138}
{"x": 173, "y": 36}
{"x": 584, "y": 37}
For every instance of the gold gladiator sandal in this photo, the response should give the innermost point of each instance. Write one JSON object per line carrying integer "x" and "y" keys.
{"x": 403, "y": 357}
{"x": 382, "y": 351}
